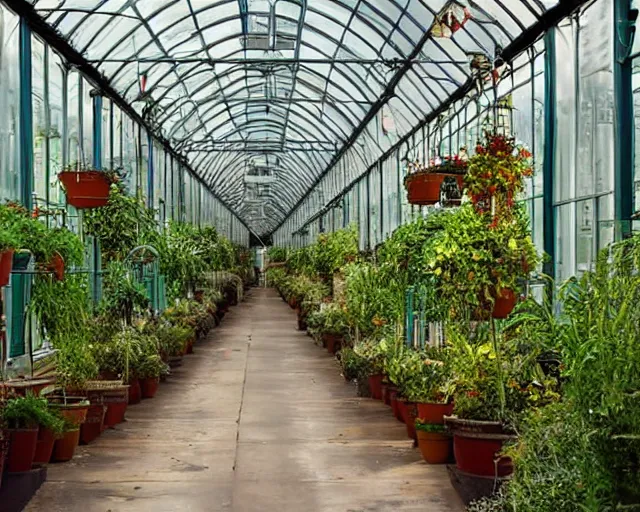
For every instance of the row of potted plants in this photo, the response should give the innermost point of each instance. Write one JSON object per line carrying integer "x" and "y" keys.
{"x": 111, "y": 354}
{"x": 519, "y": 390}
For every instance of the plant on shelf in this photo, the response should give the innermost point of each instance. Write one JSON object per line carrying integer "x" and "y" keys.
{"x": 75, "y": 362}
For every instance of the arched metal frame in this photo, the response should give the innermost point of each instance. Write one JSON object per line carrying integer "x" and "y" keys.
{"x": 329, "y": 69}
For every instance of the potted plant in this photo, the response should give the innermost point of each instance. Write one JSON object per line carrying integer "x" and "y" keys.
{"x": 86, "y": 187}
{"x": 478, "y": 264}
{"x": 434, "y": 442}
{"x": 23, "y": 417}
{"x": 424, "y": 184}
{"x": 497, "y": 380}
{"x": 9, "y": 240}
{"x": 149, "y": 367}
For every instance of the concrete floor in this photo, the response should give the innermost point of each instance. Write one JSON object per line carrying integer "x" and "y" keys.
{"x": 257, "y": 420}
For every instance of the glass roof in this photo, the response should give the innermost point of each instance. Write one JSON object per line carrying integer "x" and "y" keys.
{"x": 275, "y": 88}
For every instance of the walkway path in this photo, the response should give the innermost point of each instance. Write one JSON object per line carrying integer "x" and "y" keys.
{"x": 257, "y": 420}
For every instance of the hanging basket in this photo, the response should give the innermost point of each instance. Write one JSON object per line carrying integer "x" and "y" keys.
{"x": 6, "y": 264}
{"x": 85, "y": 189}
{"x": 424, "y": 188}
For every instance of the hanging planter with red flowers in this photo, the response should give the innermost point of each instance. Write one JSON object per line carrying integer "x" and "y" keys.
{"x": 87, "y": 188}
{"x": 450, "y": 19}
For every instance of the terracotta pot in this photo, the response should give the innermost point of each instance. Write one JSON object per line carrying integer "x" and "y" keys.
{"x": 402, "y": 410}
{"x": 393, "y": 400}
{"x": 302, "y": 321}
{"x": 434, "y": 413}
{"x": 87, "y": 189}
{"x": 73, "y": 408}
{"x": 22, "y": 449}
{"x": 4, "y": 449}
{"x": 333, "y": 342}
{"x": 56, "y": 265}
{"x": 385, "y": 394}
{"x": 6, "y": 264}
{"x": 189, "y": 347}
{"x": 424, "y": 188}
{"x": 65, "y": 447}
{"x": 149, "y": 387}
{"x": 92, "y": 427}
{"x": 504, "y": 304}
{"x": 411, "y": 413}
{"x": 135, "y": 392}
{"x": 44, "y": 446}
{"x": 476, "y": 447}
{"x": 375, "y": 385}
{"x": 116, "y": 401}
{"x": 435, "y": 447}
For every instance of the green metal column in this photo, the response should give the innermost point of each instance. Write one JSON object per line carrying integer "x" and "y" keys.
{"x": 549, "y": 150}
{"x": 21, "y": 283}
{"x": 624, "y": 129}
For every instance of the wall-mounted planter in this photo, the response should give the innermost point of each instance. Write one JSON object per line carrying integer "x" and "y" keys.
{"x": 6, "y": 264}
{"x": 86, "y": 189}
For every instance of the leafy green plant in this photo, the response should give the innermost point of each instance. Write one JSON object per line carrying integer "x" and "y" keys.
{"x": 30, "y": 411}
{"x": 122, "y": 294}
{"x": 430, "y": 427}
{"x": 123, "y": 224}
{"x": 75, "y": 362}
{"x": 473, "y": 261}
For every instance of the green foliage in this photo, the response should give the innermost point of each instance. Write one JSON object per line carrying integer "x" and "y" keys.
{"x": 60, "y": 306}
{"x": 75, "y": 362}
{"x": 430, "y": 427}
{"x": 122, "y": 294}
{"x": 30, "y": 411}
{"x": 474, "y": 259}
{"x": 353, "y": 365}
{"x": 334, "y": 250}
{"x": 277, "y": 254}
{"x": 331, "y": 319}
{"x": 123, "y": 224}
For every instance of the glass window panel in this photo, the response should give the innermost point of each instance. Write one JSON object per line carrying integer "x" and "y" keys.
{"x": 87, "y": 123}
{"x": 55, "y": 108}
{"x": 40, "y": 125}
{"x": 9, "y": 105}
{"x": 73, "y": 117}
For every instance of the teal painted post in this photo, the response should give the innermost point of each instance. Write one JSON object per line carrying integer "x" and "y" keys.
{"x": 150, "y": 177}
{"x": 624, "y": 129}
{"x": 21, "y": 283}
{"x": 549, "y": 224}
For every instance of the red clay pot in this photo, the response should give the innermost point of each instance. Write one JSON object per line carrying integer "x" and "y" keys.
{"x": 434, "y": 413}
{"x": 333, "y": 342}
{"x": 135, "y": 392}
{"x": 74, "y": 410}
{"x": 149, "y": 387}
{"x": 402, "y": 410}
{"x": 435, "y": 447}
{"x": 87, "y": 189}
{"x": 375, "y": 385}
{"x": 476, "y": 447}
{"x": 410, "y": 419}
{"x": 504, "y": 304}
{"x": 189, "y": 347}
{"x": 22, "y": 448}
{"x": 385, "y": 394}
{"x": 4, "y": 449}
{"x": 393, "y": 400}
{"x": 424, "y": 189}
{"x": 92, "y": 427}
{"x": 44, "y": 446}
{"x": 6, "y": 264}
{"x": 116, "y": 401}
{"x": 65, "y": 447}
{"x": 56, "y": 265}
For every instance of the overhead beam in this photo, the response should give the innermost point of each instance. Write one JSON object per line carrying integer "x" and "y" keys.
{"x": 28, "y": 13}
{"x": 276, "y": 61}
{"x": 547, "y": 20}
